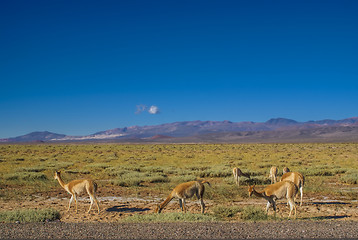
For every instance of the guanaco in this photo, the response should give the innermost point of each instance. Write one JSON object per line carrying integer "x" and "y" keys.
{"x": 284, "y": 189}
{"x": 76, "y": 187}
{"x": 184, "y": 191}
{"x": 273, "y": 174}
{"x": 237, "y": 174}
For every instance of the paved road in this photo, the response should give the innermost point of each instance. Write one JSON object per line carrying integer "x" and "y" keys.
{"x": 275, "y": 230}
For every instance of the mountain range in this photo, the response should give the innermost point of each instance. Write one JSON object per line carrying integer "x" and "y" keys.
{"x": 273, "y": 130}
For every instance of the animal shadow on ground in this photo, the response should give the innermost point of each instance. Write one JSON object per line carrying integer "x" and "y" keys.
{"x": 325, "y": 217}
{"x": 124, "y": 208}
{"x": 329, "y": 203}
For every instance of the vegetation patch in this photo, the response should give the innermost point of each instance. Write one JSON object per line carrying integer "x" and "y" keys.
{"x": 160, "y": 167}
{"x": 351, "y": 177}
{"x": 253, "y": 214}
{"x": 26, "y": 176}
{"x": 29, "y": 215}
{"x": 226, "y": 213}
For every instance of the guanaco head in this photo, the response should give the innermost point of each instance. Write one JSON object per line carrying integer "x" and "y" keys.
{"x": 158, "y": 209}
{"x": 251, "y": 190}
{"x": 57, "y": 174}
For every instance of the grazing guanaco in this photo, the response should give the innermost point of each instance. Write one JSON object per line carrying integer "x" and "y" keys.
{"x": 273, "y": 174}
{"x": 237, "y": 174}
{"x": 297, "y": 178}
{"x": 76, "y": 187}
{"x": 285, "y": 170}
{"x": 284, "y": 189}
{"x": 183, "y": 191}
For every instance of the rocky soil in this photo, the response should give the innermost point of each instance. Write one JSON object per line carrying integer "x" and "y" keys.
{"x": 237, "y": 230}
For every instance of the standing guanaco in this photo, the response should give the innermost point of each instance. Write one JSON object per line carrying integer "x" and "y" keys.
{"x": 273, "y": 174}
{"x": 76, "y": 187}
{"x": 284, "y": 189}
{"x": 237, "y": 174}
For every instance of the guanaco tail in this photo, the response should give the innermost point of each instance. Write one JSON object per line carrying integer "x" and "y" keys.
{"x": 284, "y": 189}
{"x": 76, "y": 187}
{"x": 237, "y": 174}
{"x": 184, "y": 191}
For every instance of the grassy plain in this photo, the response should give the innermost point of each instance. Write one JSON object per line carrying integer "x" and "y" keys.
{"x": 154, "y": 169}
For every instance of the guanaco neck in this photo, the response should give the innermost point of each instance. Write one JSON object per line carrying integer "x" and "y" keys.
{"x": 258, "y": 194}
{"x": 61, "y": 182}
{"x": 166, "y": 201}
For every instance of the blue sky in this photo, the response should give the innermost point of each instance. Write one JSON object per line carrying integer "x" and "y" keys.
{"x": 78, "y": 67}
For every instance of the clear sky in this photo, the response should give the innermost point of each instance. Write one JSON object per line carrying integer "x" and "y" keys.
{"x": 78, "y": 67}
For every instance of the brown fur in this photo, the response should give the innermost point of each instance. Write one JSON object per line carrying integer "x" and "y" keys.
{"x": 297, "y": 178}
{"x": 76, "y": 187}
{"x": 184, "y": 191}
{"x": 284, "y": 189}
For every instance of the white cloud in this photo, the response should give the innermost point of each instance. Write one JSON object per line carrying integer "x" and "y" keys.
{"x": 153, "y": 110}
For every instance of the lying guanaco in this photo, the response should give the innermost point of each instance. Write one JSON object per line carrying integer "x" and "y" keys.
{"x": 184, "y": 191}
{"x": 284, "y": 189}
{"x": 76, "y": 187}
{"x": 297, "y": 178}
{"x": 237, "y": 174}
{"x": 273, "y": 174}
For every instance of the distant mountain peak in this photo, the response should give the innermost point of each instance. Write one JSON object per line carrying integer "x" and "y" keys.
{"x": 189, "y": 129}
{"x": 281, "y": 121}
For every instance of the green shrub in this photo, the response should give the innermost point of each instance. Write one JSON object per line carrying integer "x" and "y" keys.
{"x": 97, "y": 166}
{"x": 320, "y": 170}
{"x": 224, "y": 192}
{"x": 253, "y": 214}
{"x": 32, "y": 169}
{"x": 127, "y": 182}
{"x": 27, "y": 176}
{"x": 224, "y": 212}
{"x": 351, "y": 177}
{"x": 29, "y": 215}
{"x": 57, "y": 165}
{"x": 183, "y": 178}
{"x": 215, "y": 171}
{"x": 78, "y": 171}
{"x": 156, "y": 178}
